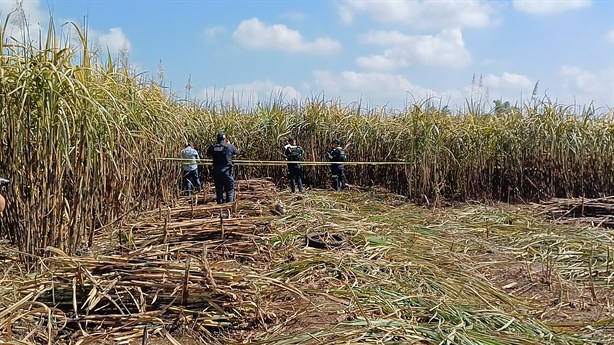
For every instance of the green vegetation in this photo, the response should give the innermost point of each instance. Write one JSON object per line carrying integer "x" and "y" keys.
{"x": 80, "y": 142}
{"x": 81, "y": 137}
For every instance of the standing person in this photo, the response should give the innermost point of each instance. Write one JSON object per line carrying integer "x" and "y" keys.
{"x": 190, "y": 169}
{"x": 337, "y": 156}
{"x": 222, "y": 154}
{"x": 294, "y": 153}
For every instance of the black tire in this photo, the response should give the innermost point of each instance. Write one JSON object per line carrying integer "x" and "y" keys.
{"x": 324, "y": 240}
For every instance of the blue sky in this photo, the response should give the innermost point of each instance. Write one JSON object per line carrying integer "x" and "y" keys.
{"x": 382, "y": 53}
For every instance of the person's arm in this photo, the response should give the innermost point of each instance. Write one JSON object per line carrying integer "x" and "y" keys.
{"x": 210, "y": 151}
{"x": 301, "y": 153}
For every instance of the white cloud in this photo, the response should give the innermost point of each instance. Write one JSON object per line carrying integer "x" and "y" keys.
{"x": 386, "y": 38}
{"x": 507, "y": 87}
{"x": 584, "y": 87}
{"x": 609, "y": 36}
{"x": 444, "y": 49}
{"x": 550, "y": 6}
{"x": 213, "y": 32}
{"x": 250, "y": 94}
{"x": 30, "y": 16}
{"x": 393, "y": 11}
{"x": 346, "y": 12}
{"x": 253, "y": 33}
{"x": 379, "y": 89}
{"x": 508, "y": 80}
{"x": 34, "y": 17}
{"x": 422, "y": 14}
{"x": 115, "y": 40}
{"x": 391, "y": 60}
{"x": 395, "y": 91}
{"x": 373, "y": 89}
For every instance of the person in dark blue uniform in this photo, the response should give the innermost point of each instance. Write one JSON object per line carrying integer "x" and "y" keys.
{"x": 222, "y": 154}
{"x": 337, "y": 156}
{"x": 294, "y": 155}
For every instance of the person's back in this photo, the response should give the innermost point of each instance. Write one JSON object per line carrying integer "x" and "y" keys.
{"x": 294, "y": 155}
{"x": 189, "y": 165}
{"x": 189, "y": 156}
{"x": 221, "y": 155}
{"x": 337, "y": 156}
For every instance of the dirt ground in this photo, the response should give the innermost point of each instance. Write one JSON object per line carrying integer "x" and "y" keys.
{"x": 562, "y": 303}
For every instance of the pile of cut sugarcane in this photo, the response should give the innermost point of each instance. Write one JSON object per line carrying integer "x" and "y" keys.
{"x": 179, "y": 265}
{"x": 595, "y": 212}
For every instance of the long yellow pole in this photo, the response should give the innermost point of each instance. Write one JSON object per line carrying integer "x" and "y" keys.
{"x": 274, "y": 163}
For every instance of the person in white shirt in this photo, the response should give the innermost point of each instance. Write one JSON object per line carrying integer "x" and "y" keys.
{"x": 190, "y": 169}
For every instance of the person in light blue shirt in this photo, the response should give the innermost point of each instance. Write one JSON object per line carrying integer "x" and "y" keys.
{"x": 189, "y": 165}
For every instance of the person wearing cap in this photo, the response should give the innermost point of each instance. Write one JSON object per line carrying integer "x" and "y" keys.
{"x": 337, "y": 156}
{"x": 294, "y": 153}
{"x": 189, "y": 165}
{"x": 222, "y": 154}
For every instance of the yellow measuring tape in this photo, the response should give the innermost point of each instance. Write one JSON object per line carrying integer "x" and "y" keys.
{"x": 277, "y": 163}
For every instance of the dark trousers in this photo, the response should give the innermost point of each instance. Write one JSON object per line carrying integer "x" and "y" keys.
{"x": 190, "y": 178}
{"x": 338, "y": 176}
{"x": 224, "y": 184}
{"x": 294, "y": 174}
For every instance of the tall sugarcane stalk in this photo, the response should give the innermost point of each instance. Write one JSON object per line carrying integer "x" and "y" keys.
{"x": 80, "y": 142}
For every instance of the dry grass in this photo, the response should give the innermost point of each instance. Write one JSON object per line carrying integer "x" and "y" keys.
{"x": 469, "y": 274}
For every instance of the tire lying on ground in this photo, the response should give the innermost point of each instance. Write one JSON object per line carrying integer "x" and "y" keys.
{"x": 324, "y": 240}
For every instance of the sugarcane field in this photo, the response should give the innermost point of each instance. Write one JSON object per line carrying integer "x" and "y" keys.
{"x": 324, "y": 223}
